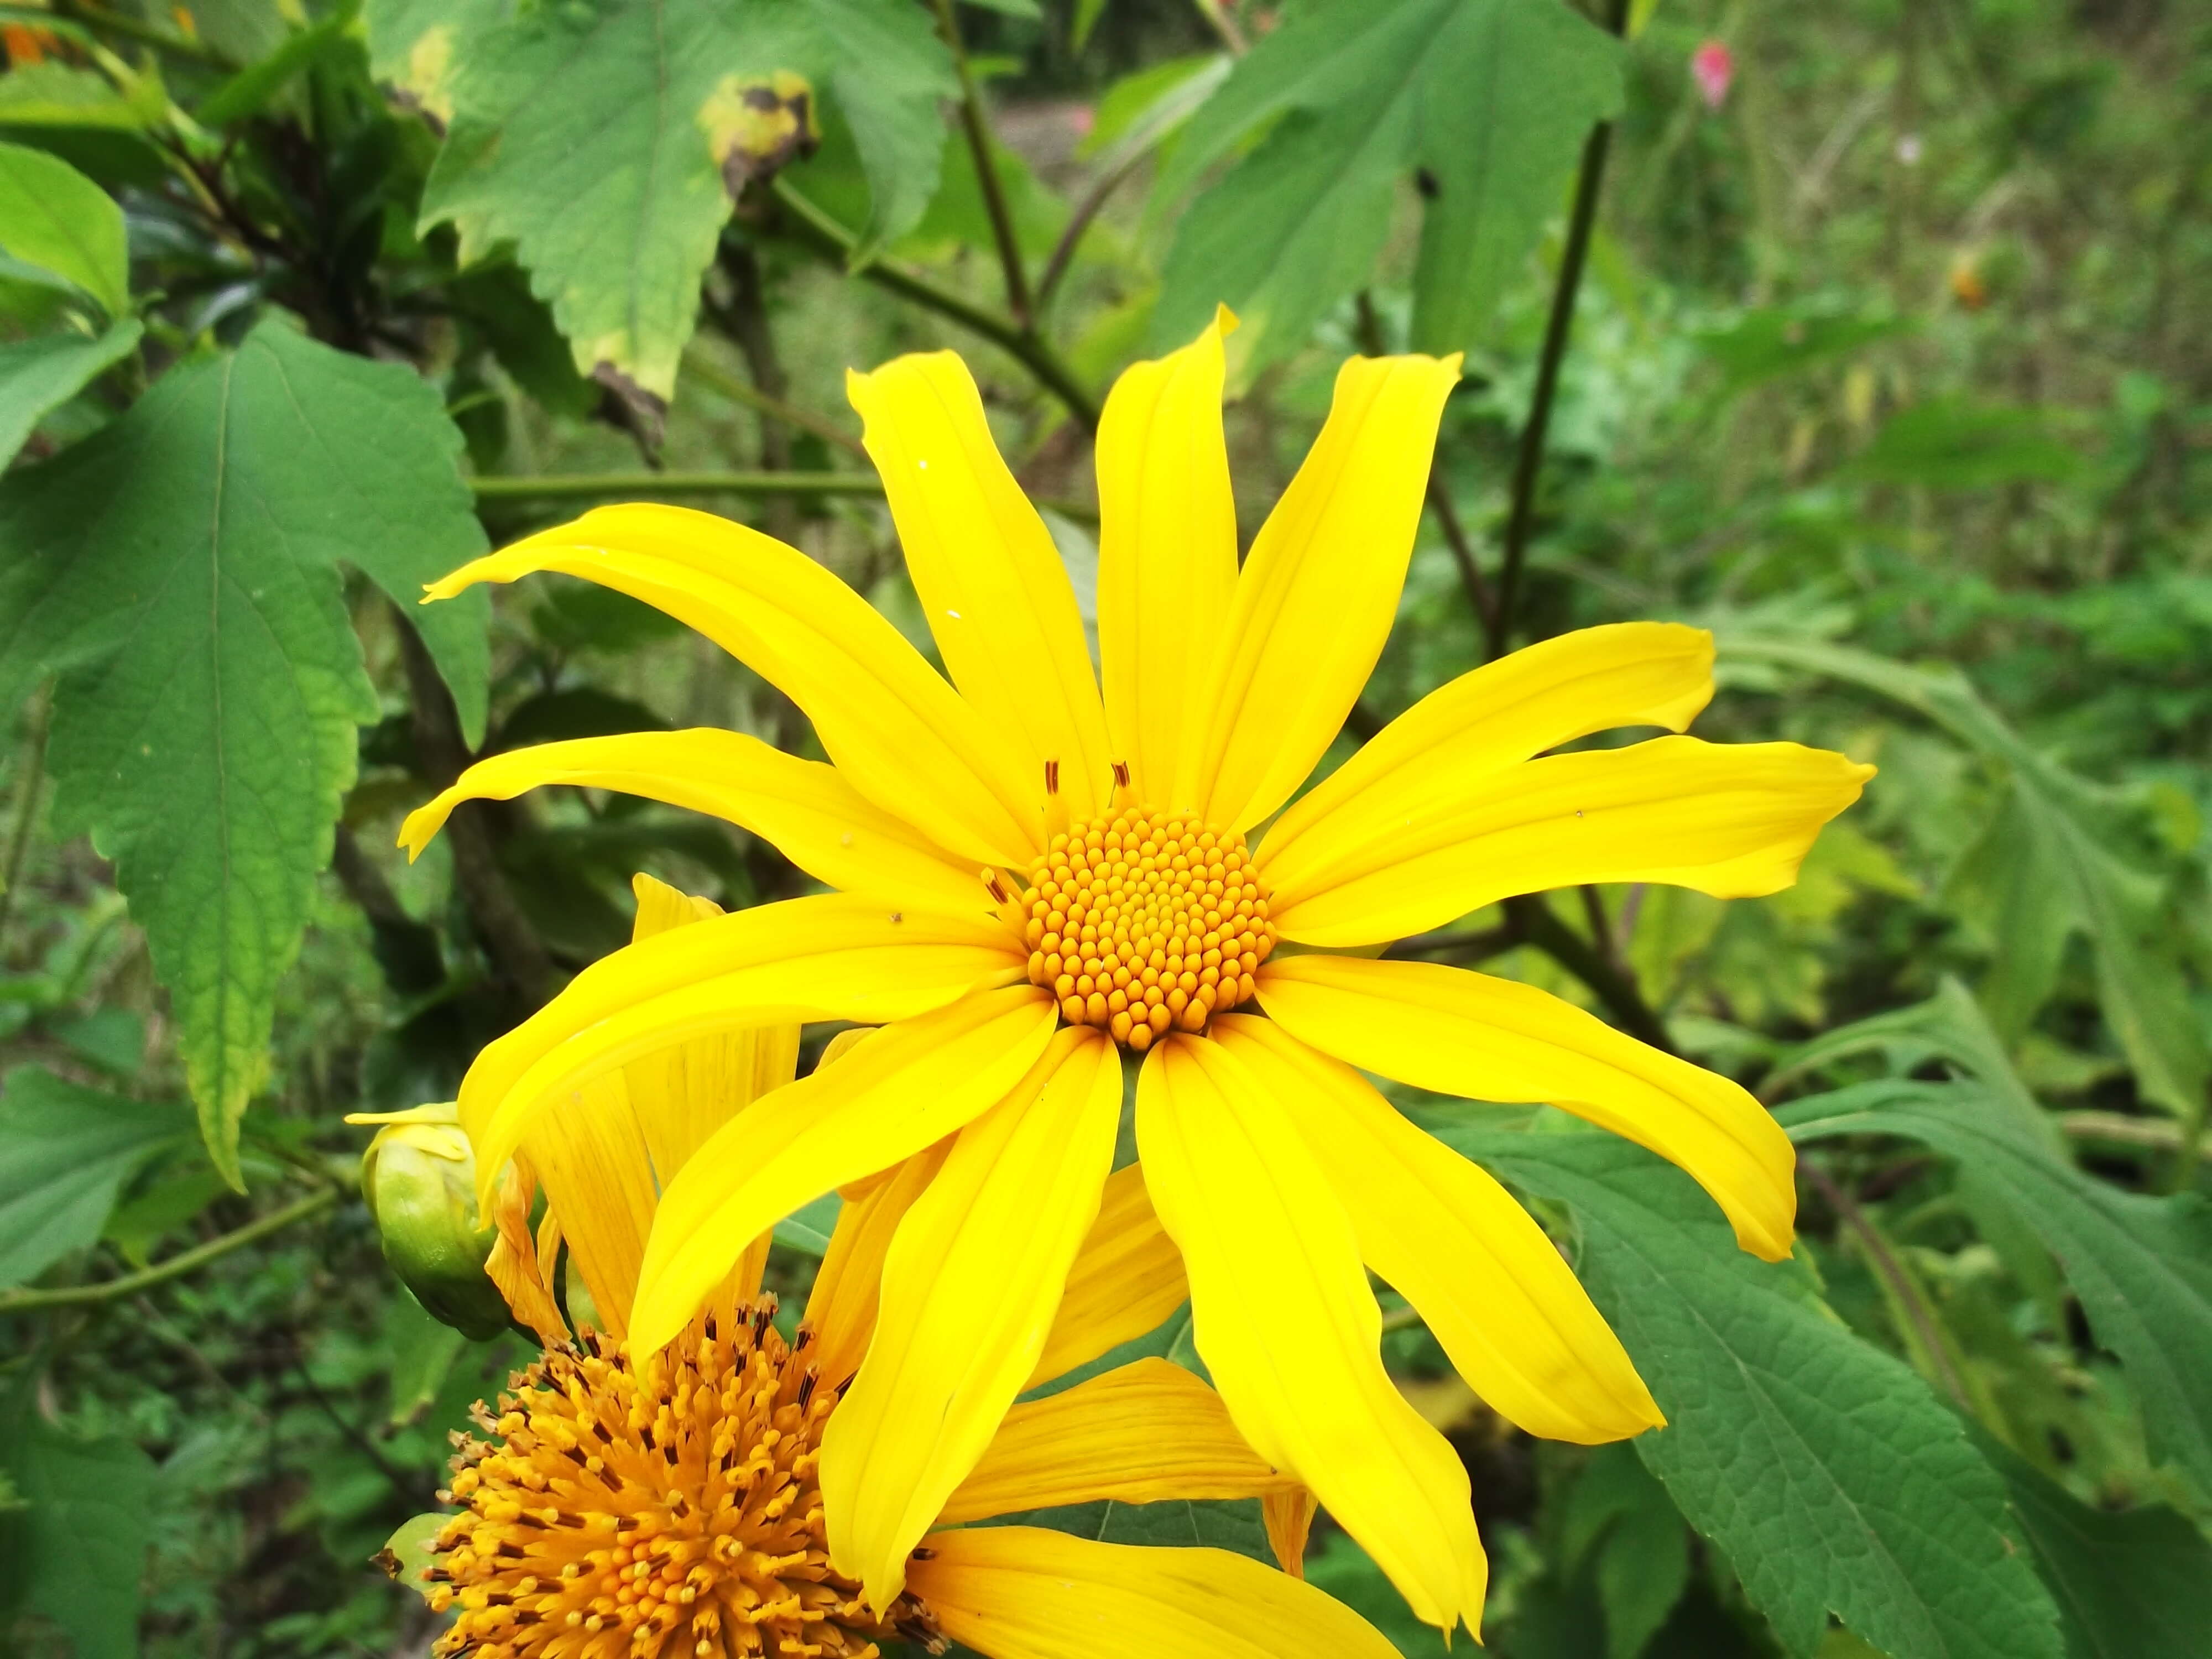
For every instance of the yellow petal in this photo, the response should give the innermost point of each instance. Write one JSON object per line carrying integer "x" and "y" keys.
{"x": 1460, "y": 1033}
{"x": 1734, "y": 820}
{"x": 1025, "y": 1593}
{"x": 969, "y": 1291}
{"x": 1167, "y": 552}
{"x": 905, "y": 1086}
{"x": 834, "y": 956}
{"x": 804, "y": 808}
{"x": 1487, "y": 1281}
{"x": 1141, "y": 1433}
{"x": 1490, "y": 717}
{"x": 514, "y": 1265}
{"x": 682, "y": 1095}
{"x": 840, "y": 1308}
{"x": 1287, "y": 1326}
{"x": 898, "y": 732}
{"x": 991, "y": 582}
{"x": 590, "y": 1156}
{"x": 1127, "y": 1278}
{"x": 1315, "y": 599}
{"x": 1288, "y": 1516}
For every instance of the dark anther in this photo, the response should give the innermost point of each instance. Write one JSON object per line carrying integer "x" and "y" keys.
{"x": 806, "y": 1389}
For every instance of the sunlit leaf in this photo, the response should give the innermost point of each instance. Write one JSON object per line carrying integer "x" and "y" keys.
{"x": 38, "y": 376}
{"x": 1824, "y": 1471}
{"x": 52, "y": 215}
{"x": 2141, "y": 1266}
{"x": 604, "y": 140}
{"x": 180, "y": 570}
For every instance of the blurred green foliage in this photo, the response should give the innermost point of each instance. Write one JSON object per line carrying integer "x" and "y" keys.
{"x": 1886, "y": 365}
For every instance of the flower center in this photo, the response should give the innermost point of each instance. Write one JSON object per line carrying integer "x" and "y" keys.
{"x": 1140, "y": 920}
{"x": 672, "y": 1510}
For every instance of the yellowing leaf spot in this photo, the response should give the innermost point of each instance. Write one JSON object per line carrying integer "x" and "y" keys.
{"x": 430, "y": 63}
{"x": 755, "y": 125}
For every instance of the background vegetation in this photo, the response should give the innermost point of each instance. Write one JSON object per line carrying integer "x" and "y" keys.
{"x": 1886, "y": 363}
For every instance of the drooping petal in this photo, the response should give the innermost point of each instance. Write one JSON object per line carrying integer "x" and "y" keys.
{"x": 1141, "y": 1433}
{"x": 991, "y": 582}
{"x": 1026, "y": 1593}
{"x": 1432, "y": 756}
{"x": 900, "y": 734}
{"x": 682, "y": 1095}
{"x": 1127, "y": 1278}
{"x": 1288, "y": 1516}
{"x": 1734, "y": 820}
{"x": 969, "y": 1291}
{"x": 514, "y": 1265}
{"x": 1287, "y": 1326}
{"x": 1469, "y": 1034}
{"x": 898, "y": 1091}
{"x": 1315, "y": 599}
{"x": 804, "y": 808}
{"x": 840, "y": 1308}
{"x": 1486, "y": 1280}
{"x": 1167, "y": 553}
{"x": 834, "y": 956}
{"x": 589, "y": 1153}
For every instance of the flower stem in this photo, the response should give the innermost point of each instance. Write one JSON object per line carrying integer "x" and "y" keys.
{"x": 1025, "y": 346}
{"x": 973, "y": 123}
{"x": 1581, "y": 222}
{"x": 185, "y": 1261}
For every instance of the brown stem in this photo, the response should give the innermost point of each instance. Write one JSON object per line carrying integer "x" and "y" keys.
{"x": 1532, "y": 918}
{"x": 1582, "y": 220}
{"x": 978, "y": 130}
{"x": 518, "y": 955}
{"x": 185, "y": 1261}
{"x": 749, "y": 326}
{"x": 1063, "y": 251}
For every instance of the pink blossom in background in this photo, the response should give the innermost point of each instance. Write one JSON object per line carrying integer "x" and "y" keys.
{"x": 1713, "y": 66}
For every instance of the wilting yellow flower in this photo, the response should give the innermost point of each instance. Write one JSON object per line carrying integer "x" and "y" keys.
{"x": 1120, "y": 908}
{"x": 645, "y": 1501}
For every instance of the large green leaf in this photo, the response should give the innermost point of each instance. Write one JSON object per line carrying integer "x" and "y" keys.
{"x": 38, "y": 376}
{"x": 1484, "y": 102}
{"x": 2141, "y": 1266}
{"x": 603, "y": 139}
{"x": 77, "y": 1548}
{"x": 2045, "y": 861}
{"x": 52, "y": 215}
{"x": 1951, "y": 443}
{"x": 2131, "y": 1585}
{"x": 64, "y": 1152}
{"x": 179, "y": 568}
{"x": 1823, "y": 1468}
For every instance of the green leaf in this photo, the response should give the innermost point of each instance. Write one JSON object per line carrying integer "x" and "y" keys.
{"x": 1823, "y": 1468}
{"x": 2136, "y": 1584}
{"x": 603, "y": 141}
{"x": 248, "y": 92}
{"x": 406, "y": 1554}
{"x": 38, "y": 376}
{"x": 1952, "y": 444}
{"x": 1642, "y": 1550}
{"x": 52, "y": 215}
{"x": 1486, "y": 100}
{"x": 2051, "y": 820}
{"x": 1763, "y": 345}
{"x": 54, "y": 94}
{"x": 2141, "y": 1266}
{"x": 808, "y": 1228}
{"x": 66, "y": 1150}
{"x": 1087, "y": 14}
{"x": 79, "y": 1546}
{"x": 179, "y": 568}
{"x": 1513, "y": 87}
{"x": 423, "y": 1348}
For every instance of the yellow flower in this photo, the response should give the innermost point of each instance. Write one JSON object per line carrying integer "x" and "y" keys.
{"x": 625, "y": 1501}
{"x": 1120, "y": 909}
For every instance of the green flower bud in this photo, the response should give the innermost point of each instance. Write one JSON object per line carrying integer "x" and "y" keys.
{"x": 419, "y": 1177}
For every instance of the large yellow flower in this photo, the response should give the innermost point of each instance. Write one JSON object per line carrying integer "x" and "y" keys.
{"x": 1120, "y": 909}
{"x": 627, "y": 1503}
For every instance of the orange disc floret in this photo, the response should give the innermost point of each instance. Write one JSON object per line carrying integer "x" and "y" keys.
{"x": 1141, "y": 920}
{"x": 614, "y": 1509}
